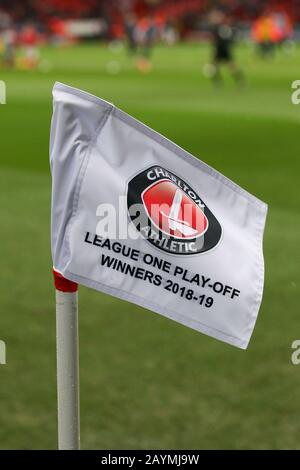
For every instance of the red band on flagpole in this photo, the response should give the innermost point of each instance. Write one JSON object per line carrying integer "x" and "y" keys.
{"x": 63, "y": 284}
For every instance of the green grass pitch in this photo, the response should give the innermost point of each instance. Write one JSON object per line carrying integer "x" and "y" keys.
{"x": 147, "y": 382}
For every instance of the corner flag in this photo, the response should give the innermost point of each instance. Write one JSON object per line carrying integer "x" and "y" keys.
{"x": 137, "y": 217}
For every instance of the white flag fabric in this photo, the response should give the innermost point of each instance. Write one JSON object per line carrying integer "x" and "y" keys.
{"x": 137, "y": 217}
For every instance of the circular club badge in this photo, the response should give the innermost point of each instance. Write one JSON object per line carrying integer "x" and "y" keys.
{"x": 170, "y": 214}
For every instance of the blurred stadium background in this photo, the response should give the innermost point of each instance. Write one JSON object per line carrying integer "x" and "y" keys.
{"x": 147, "y": 382}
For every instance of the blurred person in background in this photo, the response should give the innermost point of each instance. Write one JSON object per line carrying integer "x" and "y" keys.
{"x": 169, "y": 33}
{"x": 223, "y": 37}
{"x": 29, "y": 41}
{"x": 58, "y": 31}
{"x": 273, "y": 28}
{"x": 145, "y": 35}
{"x": 130, "y": 23}
{"x": 263, "y": 33}
{"x": 7, "y": 40}
{"x": 9, "y": 47}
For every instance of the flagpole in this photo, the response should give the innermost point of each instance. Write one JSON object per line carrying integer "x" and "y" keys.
{"x": 67, "y": 363}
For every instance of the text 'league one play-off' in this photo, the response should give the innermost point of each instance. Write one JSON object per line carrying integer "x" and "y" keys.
{"x": 137, "y": 217}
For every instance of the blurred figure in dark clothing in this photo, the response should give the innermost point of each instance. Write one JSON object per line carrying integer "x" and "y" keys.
{"x": 146, "y": 35}
{"x": 130, "y": 22}
{"x": 141, "y": 34}
{"x": 223, "y": 42}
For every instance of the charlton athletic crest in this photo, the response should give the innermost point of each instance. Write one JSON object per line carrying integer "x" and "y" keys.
{"x": 170, "y": 214}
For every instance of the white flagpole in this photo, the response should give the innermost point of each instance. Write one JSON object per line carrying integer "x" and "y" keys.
{"x": 67, "y": 363}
